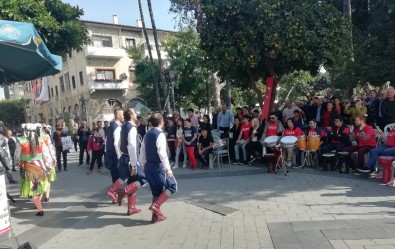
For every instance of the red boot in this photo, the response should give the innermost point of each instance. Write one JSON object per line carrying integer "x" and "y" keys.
{"x": 155, "y": 218}
{"x": 132, "y": 205}
{"x": 155, "y": 207}
{"x": 113, "y": 191}
{"x": 129, "y": 190}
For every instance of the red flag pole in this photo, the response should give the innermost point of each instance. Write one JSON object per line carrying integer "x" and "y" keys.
{"x": 269, "y": 96}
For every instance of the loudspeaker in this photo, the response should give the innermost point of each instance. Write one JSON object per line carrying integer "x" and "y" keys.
{"x": 27, "y": 245}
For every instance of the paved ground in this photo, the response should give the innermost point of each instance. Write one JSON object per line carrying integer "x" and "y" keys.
{"x": 241, "y": 207}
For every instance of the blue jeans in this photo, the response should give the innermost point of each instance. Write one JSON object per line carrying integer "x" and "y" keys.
{"x": 380, "y": 151}
{"x": 389, "y": 152}
{"x": 237, "y": 154}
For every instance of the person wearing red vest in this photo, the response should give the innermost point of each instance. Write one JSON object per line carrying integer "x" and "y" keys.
{"x": 365, "y": 137}
{"x": 387, "y": 150}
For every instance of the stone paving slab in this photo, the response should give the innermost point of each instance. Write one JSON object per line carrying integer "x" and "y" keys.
{"x": 305, "y": 209}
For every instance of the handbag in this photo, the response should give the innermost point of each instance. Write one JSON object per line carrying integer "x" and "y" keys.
{"x": 67, "y": 143}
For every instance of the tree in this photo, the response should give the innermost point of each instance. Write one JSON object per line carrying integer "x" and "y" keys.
{"x": 247, "y": 41}
{"x": 157, "y": 46}
{"x": 185, "y": 57}
{"x": 155, "y": 84}
{"x": 57, "y": 22}
{"x": 12, "y": 112}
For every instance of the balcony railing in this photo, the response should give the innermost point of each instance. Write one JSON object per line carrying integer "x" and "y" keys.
{"x": 105, "y": 52}
{"x": 108, "y": 85}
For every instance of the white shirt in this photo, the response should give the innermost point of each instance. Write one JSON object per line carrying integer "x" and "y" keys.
{"x": 132, "y": 146}
{"x": 161, "y": 145}
{"x": 117, "y": 140}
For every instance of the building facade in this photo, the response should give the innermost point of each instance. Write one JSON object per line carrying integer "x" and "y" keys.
{"x": 95, "y": 80}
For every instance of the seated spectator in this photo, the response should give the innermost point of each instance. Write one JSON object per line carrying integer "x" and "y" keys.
{"x": 388, "y": 107}
{"x": 291, "y": 130}
{"x": 205, "y": 148}
{"x": 242, "y": 140}
{"x": 337, "y": 107}
{"x": 233, "y": 136}
{"x": 239, "y": 113}
{"x": 254, "y": 145}
{"x": 255, "y": 114}
{"x": 365, "y": 137}
{"x": 180, "y": 144}
{"x": 289, "y": 110}
{"x": 298, "y": 119}
{"x": 387, "y": 150}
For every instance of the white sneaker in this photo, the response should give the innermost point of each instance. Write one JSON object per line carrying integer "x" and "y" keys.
{"x": 289, "y": 163}
{"x": 175, "y": 167}
{"x": 184, "y": 165}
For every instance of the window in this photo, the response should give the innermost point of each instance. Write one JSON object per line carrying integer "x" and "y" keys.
{"x": 56, "y": 91}
{"x": 81, "y": 79}
{"x": 67, "y": 81}
{"x": 73, "y": 81}
{"x": 130, "y": 43}
{"x": 132, "y": 76}
{"x": 52, "y": 92}
{"x": 49, "y": 93}
{"x": 102, "y": 41}
{"x": 61, "y": 85}
{"x": 105, "y": 74}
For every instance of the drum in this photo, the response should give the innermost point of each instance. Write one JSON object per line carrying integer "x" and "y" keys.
{"x": 386, "y": 162}
{"x": 302, "y": 143}
{"x": 271, "y": 141}
{"x": 329, "y": 161}
{"x": 314, "y": 142}
{"x": 288, "y": 142}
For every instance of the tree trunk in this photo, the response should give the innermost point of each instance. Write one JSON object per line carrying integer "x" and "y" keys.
{"x": 228, "y": 94}
{"x": 155, "y": 32}
{"x": 256, "y": 89}
{"x": 217, "y": 87}
{"x": 156, "y": 87}
{"x": 208, "y": 96}
{"x": 348, "y": 16}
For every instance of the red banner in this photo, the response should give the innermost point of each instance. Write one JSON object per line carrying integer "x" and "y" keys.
{"x": 270, "y": 85}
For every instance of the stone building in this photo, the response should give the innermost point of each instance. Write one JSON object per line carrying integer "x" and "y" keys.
{"x": 95, "y": 80}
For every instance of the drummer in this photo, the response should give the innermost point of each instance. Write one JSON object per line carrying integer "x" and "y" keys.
{"x": 337, "y": 137}
{"x": 272, "y": 128}
{"x": 294, "y": 131}
{"x": 314, "y": 130}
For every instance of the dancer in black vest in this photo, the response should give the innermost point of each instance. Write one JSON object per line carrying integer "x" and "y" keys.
{"x": 153, "y": 156}
{"x": 113, "y": 152}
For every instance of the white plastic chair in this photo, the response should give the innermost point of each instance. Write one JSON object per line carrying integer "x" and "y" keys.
{"x": 221, "y": 148}
{"x": 389, "y": 127}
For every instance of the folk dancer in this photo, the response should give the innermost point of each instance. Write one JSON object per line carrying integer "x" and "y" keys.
{"x": 51, "y": 150}
{"x": 157, "y": 170}
{"x": 33, "y": 157}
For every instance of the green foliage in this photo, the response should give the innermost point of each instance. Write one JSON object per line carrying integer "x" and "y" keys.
{"x": 300, "y": 85}
{"x": 57, "y": 22}
{"x": 245, "y": 40}
{"x": 186, "y": 59}
{"x": 12, "y": 112}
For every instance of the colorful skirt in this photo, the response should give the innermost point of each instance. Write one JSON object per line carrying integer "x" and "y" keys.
{"x": 52, "y": 175}
{"x": 34, "y": 180}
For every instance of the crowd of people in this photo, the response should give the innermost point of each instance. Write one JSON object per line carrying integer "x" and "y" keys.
{"x": 138, "y": 152}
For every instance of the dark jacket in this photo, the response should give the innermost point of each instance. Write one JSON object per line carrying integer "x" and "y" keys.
{"x": 81, "y": 136}
{"x": 388, "y": 111}
{"x": 55, "y": 137}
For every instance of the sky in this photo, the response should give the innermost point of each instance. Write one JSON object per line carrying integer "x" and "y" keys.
{"x": 127, "y": 12}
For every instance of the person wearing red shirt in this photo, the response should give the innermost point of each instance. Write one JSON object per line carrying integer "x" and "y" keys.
{"x": 294, "y": 131}
{"x": 328, "y": 116}
{"x": 387, "y": 150}
{"x": 365, "y": 137}
{"x": 96, "y": 145}
{"x": 243, "y": 139}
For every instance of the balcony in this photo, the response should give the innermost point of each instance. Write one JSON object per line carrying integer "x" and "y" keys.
{"x": 105, "y": 52}
{"x": 108, "y": 85}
